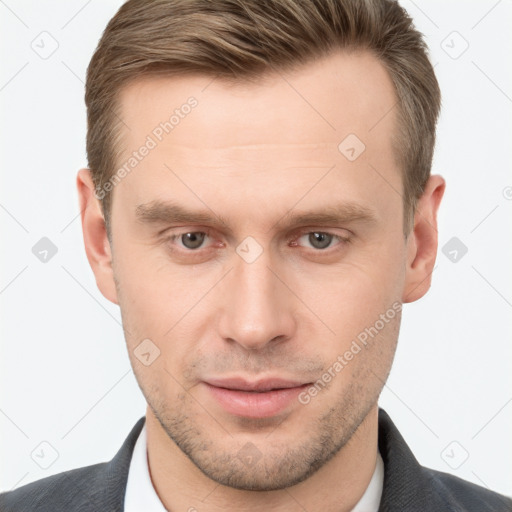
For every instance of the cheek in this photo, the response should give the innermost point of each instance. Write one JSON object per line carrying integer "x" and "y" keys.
{"x": 165, "y": 303}
{"x": 352, "y": 296}
{"x": 148, "y": 300}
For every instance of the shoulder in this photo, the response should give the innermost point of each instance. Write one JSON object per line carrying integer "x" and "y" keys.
{"x": 462, "y": 495}
{"x": 99, "y": 487}
{"x": 415, "y": 488}
{"x": 70, "y": 490}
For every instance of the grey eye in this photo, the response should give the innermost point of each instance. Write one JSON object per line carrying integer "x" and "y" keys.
{"x": 193, "y": 240}
{"x": 320, "y": 240}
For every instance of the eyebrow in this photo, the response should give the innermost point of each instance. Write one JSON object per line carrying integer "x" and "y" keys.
{"x": 159, "y": 211}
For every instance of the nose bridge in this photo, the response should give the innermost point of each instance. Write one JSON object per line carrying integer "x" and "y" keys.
{"x": 256, "y": 310}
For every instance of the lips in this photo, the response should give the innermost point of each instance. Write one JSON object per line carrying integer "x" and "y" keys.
{"x": 260, "y": 386}
{"x": 255, "y": 399}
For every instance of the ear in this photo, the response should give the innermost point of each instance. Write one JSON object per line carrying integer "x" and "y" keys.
{"x": 422, "y": 241}
{"x": 97, "y": 245}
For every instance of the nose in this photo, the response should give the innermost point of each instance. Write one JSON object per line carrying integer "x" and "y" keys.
{"x": 257, "y": 308}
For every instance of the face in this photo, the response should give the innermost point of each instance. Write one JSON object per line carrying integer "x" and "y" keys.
{"x": 263, "y": 265}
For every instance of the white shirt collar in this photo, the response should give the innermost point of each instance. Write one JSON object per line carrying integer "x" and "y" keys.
{"x": 370, "y": 500}
{"x": 141, "y": 495}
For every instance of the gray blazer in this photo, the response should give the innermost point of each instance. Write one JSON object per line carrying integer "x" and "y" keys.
{"x": 408, "y": 487}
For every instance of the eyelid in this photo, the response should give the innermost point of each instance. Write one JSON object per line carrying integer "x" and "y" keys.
{"x": 176, "y": 236}
{"x": 298, "y": 234}
{"x": 328, "y": 231}
{"x": 305, "y": 231}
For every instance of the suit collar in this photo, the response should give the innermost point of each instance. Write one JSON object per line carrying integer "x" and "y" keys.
{"x": 116, "y": 471}
{"x": 407, "y": 486}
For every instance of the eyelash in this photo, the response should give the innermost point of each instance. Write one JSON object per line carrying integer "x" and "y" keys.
{"x": 342, "y": 240}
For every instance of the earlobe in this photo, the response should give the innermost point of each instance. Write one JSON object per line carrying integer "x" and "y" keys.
{"x": 422, "y": 241}
{"x": 97, "y": 245}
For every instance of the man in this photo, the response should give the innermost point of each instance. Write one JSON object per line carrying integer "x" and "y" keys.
{"x": 259, "y": 203}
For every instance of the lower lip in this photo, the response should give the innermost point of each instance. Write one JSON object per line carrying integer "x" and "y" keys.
{"x": 255, "y": 405}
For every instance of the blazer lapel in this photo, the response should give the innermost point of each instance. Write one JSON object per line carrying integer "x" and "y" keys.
{"x": 407, "y": 485}
{"x": 109, "y": 487}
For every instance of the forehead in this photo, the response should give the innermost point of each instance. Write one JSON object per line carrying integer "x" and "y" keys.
{"x": 321, "y": 101}
{"x": 280, "y": 133}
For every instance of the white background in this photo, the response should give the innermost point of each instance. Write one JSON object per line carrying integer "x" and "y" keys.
{"x": 65, "y": 374}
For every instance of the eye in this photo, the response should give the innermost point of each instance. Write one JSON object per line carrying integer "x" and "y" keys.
{"x": 191, "y": 240}
{"x": 321, "y": 240}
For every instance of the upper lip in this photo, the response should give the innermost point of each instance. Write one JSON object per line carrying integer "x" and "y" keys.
{"x": 241, "y": 384}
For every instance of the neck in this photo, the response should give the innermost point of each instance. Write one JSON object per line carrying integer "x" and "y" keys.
{"x": 336, "y": 486}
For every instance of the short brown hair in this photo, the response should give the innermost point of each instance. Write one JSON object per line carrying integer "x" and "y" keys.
{"x": 240, "y": 39}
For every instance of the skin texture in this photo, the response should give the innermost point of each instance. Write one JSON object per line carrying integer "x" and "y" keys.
{"x": 254, "y": 155}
